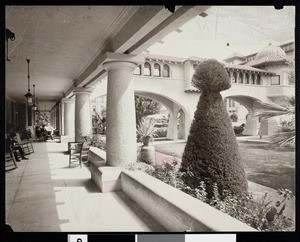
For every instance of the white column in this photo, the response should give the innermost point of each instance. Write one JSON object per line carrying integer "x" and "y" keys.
{"x": 120, "y": 113}
{"x": 172, "y": 125}
{"x": 251, "y": 126}
{"x": 68, "y": 117}
{"x": 83, "y": 118}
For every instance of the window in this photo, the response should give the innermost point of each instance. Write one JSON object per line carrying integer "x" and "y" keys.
{"x": 234, "y": 77}
{"x": 228, "y": 73}
{"x": 156, "y": 71}
{"x": 258, "y": 80}
{"x": 252, "y": 79}
{"x": 275, "y": 80}
{"x": 147, "y": 69}
{"x": 234, "y": 117}
{"x": 138, "y": 70}
{"x": 247, "y": 78}
{"x": 166, "y": 71}
{"x": 241, "y": 78}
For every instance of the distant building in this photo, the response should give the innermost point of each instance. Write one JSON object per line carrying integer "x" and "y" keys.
{"x": 260, "y": 76}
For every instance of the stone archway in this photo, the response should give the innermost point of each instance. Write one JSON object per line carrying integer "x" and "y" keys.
{"x": 174, "y": 108}
{"x": 251, "y": 121}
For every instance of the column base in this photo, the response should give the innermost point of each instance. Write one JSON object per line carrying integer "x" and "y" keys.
{"x": 66, "y": 139}
{"x": 106, "y": 178}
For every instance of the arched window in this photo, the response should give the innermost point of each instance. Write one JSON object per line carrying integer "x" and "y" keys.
{"x": 252, "y": 79}
{"x": 147, "y": 69}
{"x": 258, "y": 80}
{"x": 138, "y": 70}
{"x": 234, "y": 117}
{"x": 247, "y": 78}
{"x": 156, "y": 71}
{"x": 234, "y": 79}
{"x": 166, "y": 71}
{"x": 241, "y": 78}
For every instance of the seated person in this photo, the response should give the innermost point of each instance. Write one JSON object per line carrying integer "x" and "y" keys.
{"x": 44, "y": 133}
{"x": 38, "y": 132}
{"x": 49, "y": 130}
{"x": 11, "y": 141}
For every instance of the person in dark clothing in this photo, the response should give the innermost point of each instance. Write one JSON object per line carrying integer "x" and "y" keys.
{"x": 38, "y": 132}
{"x": 44, "y": 133}
{"x": 11, "y": 141}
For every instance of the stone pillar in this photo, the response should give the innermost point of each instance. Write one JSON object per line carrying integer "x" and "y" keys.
{"x": 68, "y": 117}
{"x": 172, "y": 125}
{"x": 251, "y": 126}
{"x": 120, "y": 113}
{"x": 181, "y": 129}
{"x": 83, "y": 118}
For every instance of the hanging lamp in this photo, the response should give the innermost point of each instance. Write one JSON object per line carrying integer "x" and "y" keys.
{"x": 34, "y": 106}
{"x": 28, "y": 95}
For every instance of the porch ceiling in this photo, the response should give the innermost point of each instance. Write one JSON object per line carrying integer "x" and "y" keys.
{"x": 65, "y": 43}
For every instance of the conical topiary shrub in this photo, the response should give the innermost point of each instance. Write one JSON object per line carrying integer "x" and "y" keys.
{"x": 211, "y": 152}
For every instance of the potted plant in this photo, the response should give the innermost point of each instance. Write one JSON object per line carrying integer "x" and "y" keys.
{"x": 145, "y": 130}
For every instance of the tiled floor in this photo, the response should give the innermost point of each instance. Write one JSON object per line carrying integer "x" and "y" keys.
{"x": 44, "y": 194}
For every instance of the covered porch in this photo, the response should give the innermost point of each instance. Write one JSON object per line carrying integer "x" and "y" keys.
{"x": 43, "y": 194}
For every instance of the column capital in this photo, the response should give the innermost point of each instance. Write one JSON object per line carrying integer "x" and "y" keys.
{"x": 82, "y": 90}
{"x": 64, "y": 100}
{"x": 121, "y": 61}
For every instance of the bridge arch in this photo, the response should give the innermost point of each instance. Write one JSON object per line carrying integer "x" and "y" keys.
{"x": 252, "y": 123}
{"x": 175, "y": 130}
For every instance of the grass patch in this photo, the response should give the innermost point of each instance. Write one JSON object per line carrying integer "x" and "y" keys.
{"x": 263, "y": 165}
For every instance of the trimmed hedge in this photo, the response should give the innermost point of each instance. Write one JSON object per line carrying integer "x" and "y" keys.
{"x": 211, "y": 152}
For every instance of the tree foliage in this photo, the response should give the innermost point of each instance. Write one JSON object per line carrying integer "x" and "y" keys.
{"x": 144, "y": 107}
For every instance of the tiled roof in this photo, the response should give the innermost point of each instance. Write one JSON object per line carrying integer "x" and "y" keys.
{"x": 199, "y": 59}
{"x": 245, "y": 67}
{"x": 194, "y": 58}
{"x": 235, "y": 55}
{"x": 267, "y": 59}
{"x": 164, "y": 58}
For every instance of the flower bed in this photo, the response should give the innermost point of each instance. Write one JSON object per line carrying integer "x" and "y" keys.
{"x": 259, "y": 214}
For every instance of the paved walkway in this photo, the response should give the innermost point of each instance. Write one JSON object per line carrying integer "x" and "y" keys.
{"x": 44, "y": 194}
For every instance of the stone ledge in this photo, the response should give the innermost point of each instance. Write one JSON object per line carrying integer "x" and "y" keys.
{"x": 173, "y": 209}
{"x": 106, "y": 178}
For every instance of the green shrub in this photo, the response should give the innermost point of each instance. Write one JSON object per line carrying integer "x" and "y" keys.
{"x": 211, "y": 153}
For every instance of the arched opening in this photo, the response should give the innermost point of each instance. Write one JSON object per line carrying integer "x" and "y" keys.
{"x": 241, "y": 77}
{"x": 234, "y": 77}
{"x": 258, "y": 80}
{"x": 156, "y": 70}
{"x": 138, "y": 70}
{"x": 252, "y": 80}
{"x": 149, "y": 108}
{"x": 166, "y": 71}
{"x": 234, "y": 118}
{"x": 147, "y": 69}
{"x": 247, "y": 78}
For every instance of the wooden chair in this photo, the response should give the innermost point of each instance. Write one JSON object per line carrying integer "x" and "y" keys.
{"x": 26, "y": 145}
{"x": 75, "y": 155}
{"x": 85, "y": 154}
{"x": 9, "y": 157}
